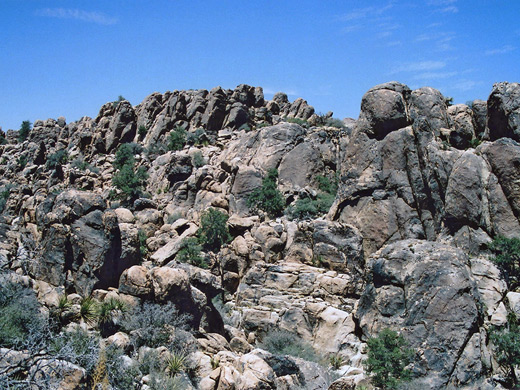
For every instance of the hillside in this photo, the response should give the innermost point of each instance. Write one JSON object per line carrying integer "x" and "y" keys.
{"x": 263, "y": 223}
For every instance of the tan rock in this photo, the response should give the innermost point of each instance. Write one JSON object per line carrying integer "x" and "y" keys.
{"x": 124, "y": 215}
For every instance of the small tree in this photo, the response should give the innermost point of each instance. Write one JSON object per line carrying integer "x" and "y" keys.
{"x": 507, "y": 348}
{"x": 24, "y": 131}
{"x": 507, "y": 258}
{"x": 387, "y": 359}
{"x": 268, "y": 198}
{"x": 213, "y": 229}
{"x": 190, "y": 252}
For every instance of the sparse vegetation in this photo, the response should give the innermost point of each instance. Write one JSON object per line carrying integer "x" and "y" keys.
{"x": 282, "y": 342}
{"x": 177, "y": 139}
{"x": 143, "y": 248}
{"x": 197, "y": 159}
{"x": 507, "y": 349}
{"x": 475, "y": 142}
{"x": 190, "y": 252}
{"x": 298, "y": 121}
{"x": 57, "y": 159}
{"x": 82, "y": 165}
{"x": 267, "y": 197}
{"x": 388, "y": 357}
{"x": 24, "y": 131}
{"x": 22, "y": 161}
{"x": 141, "y": 131}
{"x": 507, "y": 258}
{"x": 120, "y": 99}
{"x": 4, "y": 195}
{"x": 129, "y": 181}
{"x": 308, "y": 208}
{"x": 213, "y": 230}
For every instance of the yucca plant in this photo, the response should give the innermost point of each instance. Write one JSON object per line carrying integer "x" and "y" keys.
{"x": 335, "y": 361}
{"x": 88, "y": 310}
{"x": 175, "y": 363}
{"x": 109, "y": 315}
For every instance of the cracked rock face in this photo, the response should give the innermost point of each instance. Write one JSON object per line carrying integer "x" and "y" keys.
{"x": 426, "y": 290}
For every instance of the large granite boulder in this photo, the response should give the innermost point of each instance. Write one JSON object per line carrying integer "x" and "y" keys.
{"x": 503, "y": 109}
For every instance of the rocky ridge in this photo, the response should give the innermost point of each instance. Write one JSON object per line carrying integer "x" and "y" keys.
{"x": 423, "y": 187}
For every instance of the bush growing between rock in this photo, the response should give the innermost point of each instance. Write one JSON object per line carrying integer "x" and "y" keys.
{"x": 308, "y": 208}
{"x": 177, "y": 139}
{"x": 507, "y": 258}
{"x": 267, "y": 197}
{"x": 282, "y": 342}
{"x": 387, "y": 359}
{"x": 190, "y": 252}
{"x": 213, "y": 230}
{"x": 152, "y": 325}
{"x": 507, "y": 349}
{"x": 59, "y": 158}
{"x": 4, "y": 195}
{"x": 197, "y": 159}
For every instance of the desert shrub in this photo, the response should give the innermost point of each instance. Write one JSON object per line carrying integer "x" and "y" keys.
{"x": 82, "y": 165}
{"x": 151, "y": 362}
{"x": 298, "y": 121}
{"x": 198, "y": 137}
{"x": 177, "y": 139}
{"x": 120, "y": 375}
{"x": 213, "y": 230}
{"x": 125, "y": 154}
{"x": 335, "y": 122}
{"x": 21, "y": 162}
{"x": 143, "y": 248}
{"x": 507, "y": 349}
{"x": 336, "y": 361}
{"x": 142, "y": 130}
{"x": 24, "y": 131}
{"x": 190, "y": 252}
{"x": 19, "y": 313}
{"x": 387, "y": 358}
{"x": 327, "y": 185}
{"x": 245, "y": 127}
{"x": 152, "y": 324}
{"x": 282, "y": 342}
{"x": 130, "y": 182}
{"x": 175, "y": 363}
{"x": 304, "y": 208}
{"x": 267, "y": 197}
{"x": 78, "y": 347}
{"x": 160, "y": 381}
{"x": 4, "y": 195}
{"x": 197, "y": 159}
{"x": 59, "y": 158}
{"x": 507, "y": 258}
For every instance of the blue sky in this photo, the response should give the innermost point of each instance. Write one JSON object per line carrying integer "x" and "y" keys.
{"x": 68, "y": 57}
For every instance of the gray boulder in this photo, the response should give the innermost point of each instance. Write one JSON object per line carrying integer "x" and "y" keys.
{"x": 503, "y": 109}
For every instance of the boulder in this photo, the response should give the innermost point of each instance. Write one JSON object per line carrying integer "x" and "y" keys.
{"x": 503, "y": 108}
{"x": 425, "y": 291}
{"x": 384, "y": 109}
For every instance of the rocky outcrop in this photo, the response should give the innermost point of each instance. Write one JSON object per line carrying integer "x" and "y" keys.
{"x": 504, "y": 111}
{"x": 426, "y": 291}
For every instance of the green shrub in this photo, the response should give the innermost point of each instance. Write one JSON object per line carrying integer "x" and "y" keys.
{"x": 130, "y": 182}
{"x": 335, "y": 122}
{"x": 326, "y": 185}
{"x": 507, "y": 349}
{"x": 282, "y": 342}
{"x": 152, "y": 324}
{"x": 143, "y": 248}
{"x": 197, "y": 159}
{"x": 88, "y": 311}
{"x": 507, "y": 258}
{"x": 125, "y": 154}
{"x": 267, "y": 197}
{"x": 304, "y": 208}
{"x": 24, "y": 131}
{"x": 213, "y": 230}
{"x": 175, "y": 363}
{"x": 20, "y": 314}
{"x": 387, "y": 359}
{"x": 298, "y": 121}
{"x": 198, "y": 137}
{"x": 190, "y": 252}
{"x": 59, "y": 158}
{"x": 4, "y": 195}
{"x": 142, "y": 130}
{"x": 177, "y": 139}
{"x": 475, "y": 142}
{"x": 82, "y": 165}
{"x": 22, "y": 162}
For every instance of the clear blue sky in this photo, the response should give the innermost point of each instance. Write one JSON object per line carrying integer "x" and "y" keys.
{"x": 68, "y": 57}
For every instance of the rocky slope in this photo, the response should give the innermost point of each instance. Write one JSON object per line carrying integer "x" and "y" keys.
{"x": 423, "y": 187}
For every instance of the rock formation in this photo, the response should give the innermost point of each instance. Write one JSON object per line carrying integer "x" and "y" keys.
{"x": 422, "y": 189}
